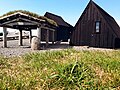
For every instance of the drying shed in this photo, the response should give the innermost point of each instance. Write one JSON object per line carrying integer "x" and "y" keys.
{"x": 96, "y": 28}
{"x": 25, "y": 20}
{"x": 63, "y": 30}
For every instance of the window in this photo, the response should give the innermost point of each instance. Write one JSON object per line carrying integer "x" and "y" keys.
{"x": 97, "y": 27}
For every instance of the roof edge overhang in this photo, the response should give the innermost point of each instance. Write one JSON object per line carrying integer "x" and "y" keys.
{"x": 30, "y": 15}
{"x": 117, "y": 33}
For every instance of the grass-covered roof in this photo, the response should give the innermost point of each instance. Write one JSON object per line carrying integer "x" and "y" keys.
{"x": 50, "y": 21}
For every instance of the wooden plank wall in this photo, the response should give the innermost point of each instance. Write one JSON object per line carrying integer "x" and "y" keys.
{"x": 84, "y": 33}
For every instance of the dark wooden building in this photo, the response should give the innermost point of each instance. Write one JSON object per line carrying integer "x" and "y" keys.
{"x": 96, "y": 28}
{"x": 63, "y": 30}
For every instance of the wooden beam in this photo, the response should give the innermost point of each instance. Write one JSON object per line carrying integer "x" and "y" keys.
{"x": 39, "y": 34}
{"x": 19, "y": 19}
{"x": 34, "y": 22}
{"x": 47, "y": 28}
{"x": 4, "y": 37}
{"x": 47, "y": 38}
{"x": 8, "y": 22}
{"x": 30, "y": 36}
{"x": 53, "y": 37}
{"x": 20, "y": 38}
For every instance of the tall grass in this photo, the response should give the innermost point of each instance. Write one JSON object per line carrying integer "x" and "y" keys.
{"x": 61, "y": 70}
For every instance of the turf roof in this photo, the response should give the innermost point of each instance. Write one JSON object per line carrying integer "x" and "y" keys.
{"x": 50, "y": 21}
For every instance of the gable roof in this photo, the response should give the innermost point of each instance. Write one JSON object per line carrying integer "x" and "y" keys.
{"x": 28, "y": 14}
{"x": 110, "y": 20}
{"x": 58, "y": 19}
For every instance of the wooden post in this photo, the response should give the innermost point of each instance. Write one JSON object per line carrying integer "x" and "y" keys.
{"x": 39, "y": 34}
{"x": 53, "y": 36}
{"x": 4, "y": 37}
{"x": 30, "y": 36}
{"x": 20, "y": 38}
{"x": 47, "y": 38}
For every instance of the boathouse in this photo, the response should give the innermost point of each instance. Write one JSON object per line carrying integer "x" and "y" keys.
{"x": 96, "y": 28}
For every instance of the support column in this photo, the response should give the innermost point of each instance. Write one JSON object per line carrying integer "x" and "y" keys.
{"x": 39, "y": 34}
{"x": 20, "y": 38}
{"x": 47, "y": 38}
{"x": 53, "y": 37}
{"x": 4, "y": 37}
{"x": 30, "y": 36}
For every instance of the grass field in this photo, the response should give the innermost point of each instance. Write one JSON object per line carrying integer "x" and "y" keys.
{"x": 61, "y": 70}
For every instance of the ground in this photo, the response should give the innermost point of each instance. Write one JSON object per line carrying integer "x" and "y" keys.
{"x": 80, "y": 68}
{"x": 13, "y": 49}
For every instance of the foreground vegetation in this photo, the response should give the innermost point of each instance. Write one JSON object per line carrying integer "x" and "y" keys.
{"x": 61, "y": 70}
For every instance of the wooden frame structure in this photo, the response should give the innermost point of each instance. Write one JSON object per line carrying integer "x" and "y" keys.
{"x": 24, "y": 21}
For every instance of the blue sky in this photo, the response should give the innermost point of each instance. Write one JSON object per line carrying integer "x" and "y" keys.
{"x": 70, "y": 10}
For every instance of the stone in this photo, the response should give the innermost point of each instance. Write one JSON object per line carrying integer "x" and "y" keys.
{"x": 35, "y": 44}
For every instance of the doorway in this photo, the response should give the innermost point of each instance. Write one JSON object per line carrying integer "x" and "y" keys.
{"x": 117, "y": 43}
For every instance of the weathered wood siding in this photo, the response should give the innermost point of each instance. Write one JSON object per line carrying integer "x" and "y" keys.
{"x": 44, "y": 33}
{"x": 84, "y": 31}
{"x": 63, "y": 30}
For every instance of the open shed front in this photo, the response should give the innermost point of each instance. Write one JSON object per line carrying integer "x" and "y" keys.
{"x": 24, "y": 20}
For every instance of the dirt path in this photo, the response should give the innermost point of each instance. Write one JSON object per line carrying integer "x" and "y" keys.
{"x": 14, "y": 49}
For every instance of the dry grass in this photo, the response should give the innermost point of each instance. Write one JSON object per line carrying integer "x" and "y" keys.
{"x": 61, "y": 70}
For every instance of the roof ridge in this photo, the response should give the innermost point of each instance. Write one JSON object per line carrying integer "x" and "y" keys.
{"x": 102, "y": 10}
{"x": 83, "y": 12}
{"x": 30, "y": 14}
{"x": 56, "y": 18}
{"x": 110, "y": 17}
{"x": 53, "y": 14}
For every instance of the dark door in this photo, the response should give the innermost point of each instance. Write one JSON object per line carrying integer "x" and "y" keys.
{"x": 117, "y": 43}
{"x": 92, "y": 43}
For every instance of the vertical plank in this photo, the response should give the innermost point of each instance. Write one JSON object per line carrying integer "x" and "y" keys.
{"x": 30, "y": 36}
{"x": 47, "y": 38}
{"x": 53, "y": 36}
{"x": 39, "y": 33}
{"x": 20, "y": 38}
{"x": 4, "y": 37}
